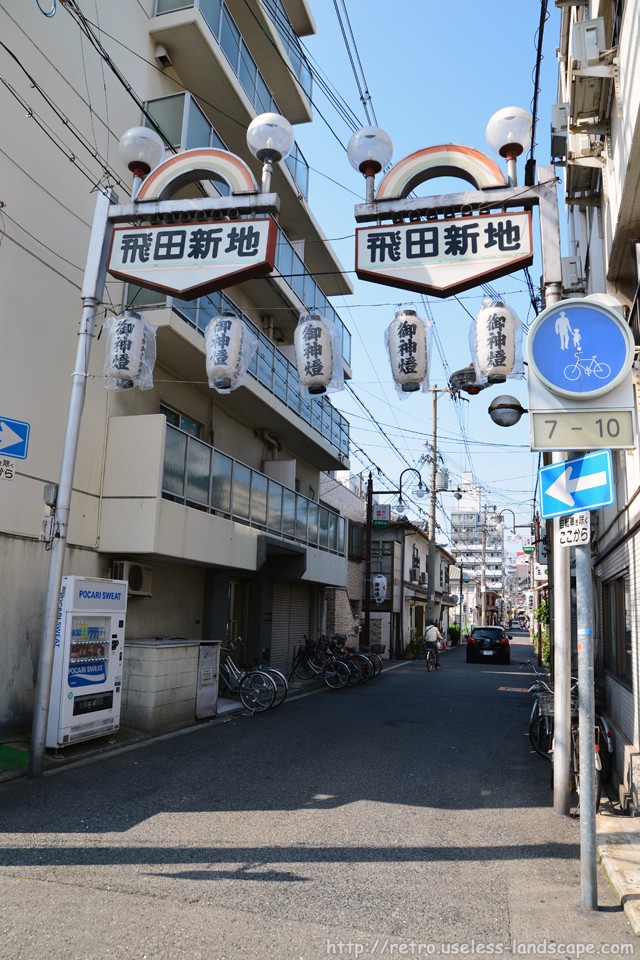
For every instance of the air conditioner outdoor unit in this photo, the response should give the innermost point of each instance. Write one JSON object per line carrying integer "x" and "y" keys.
{"x": 423, "y": 578}
{"x": 414, "y": 573}
{"x": 559, "y": 129}
{"x": 137, "y": 576}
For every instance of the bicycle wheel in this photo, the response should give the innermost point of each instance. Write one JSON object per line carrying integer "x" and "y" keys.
{"x": 541, "y": 735}
{"x": 377, "y": 663}
{"x": 355, "y": 672}
{"x": 257, "y": 691}
{"x": 430, "y": 660}
{"x": 282, "y": 687}
{"x": 336, "y": 674}
{"x": 365, "y": 665}
{"x": 303, "y": 670}
{"x": 572, "y": 371}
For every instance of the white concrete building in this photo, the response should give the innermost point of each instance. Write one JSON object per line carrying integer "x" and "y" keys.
{"x": 595, "y": 141}
{"x": 209, "y": 503}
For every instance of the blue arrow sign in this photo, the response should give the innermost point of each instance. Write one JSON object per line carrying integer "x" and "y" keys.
{"x": 14, "y": 438}
{"x": 584, "y": 483}
{"x": 580, "y": 349}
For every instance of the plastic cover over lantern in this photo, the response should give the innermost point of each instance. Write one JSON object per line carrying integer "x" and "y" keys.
{"x": 318, "y": 347}
{"x": 130, "y": 352}
{"x": 495, "y": 338}
{"x": 229, "y": 346}
{"x": 380, "y": 588}
{"x": 406, "y": 339}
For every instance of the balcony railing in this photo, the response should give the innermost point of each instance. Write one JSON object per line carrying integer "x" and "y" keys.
{"x": 229, "y": 38}
{"x": 203, "y": 477}
{"x": 269, "y": 366}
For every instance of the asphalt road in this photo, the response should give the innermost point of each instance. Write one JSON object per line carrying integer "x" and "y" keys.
{"x": 404, "y": 817}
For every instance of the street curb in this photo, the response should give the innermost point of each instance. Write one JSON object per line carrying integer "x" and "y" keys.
{"x": 618, "y": 846}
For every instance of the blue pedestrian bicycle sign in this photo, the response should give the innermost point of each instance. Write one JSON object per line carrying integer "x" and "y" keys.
{"x": 583, "y": 483}
{"x": 580, "y": 348}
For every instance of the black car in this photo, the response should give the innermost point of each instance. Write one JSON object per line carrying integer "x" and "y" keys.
{"x": 488, "y": 643}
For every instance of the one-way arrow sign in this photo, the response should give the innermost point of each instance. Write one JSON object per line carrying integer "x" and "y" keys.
{"x": 14, "y": 438}
{"x": 584, "y": 483}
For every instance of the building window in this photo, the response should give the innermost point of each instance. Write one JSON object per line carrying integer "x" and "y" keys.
{"x": 356, "y": 536}
{"x": 182, "y": 422}
{"x": 616, "y": 623}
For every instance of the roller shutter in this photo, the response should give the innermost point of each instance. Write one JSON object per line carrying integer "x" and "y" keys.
{"x": 291, "y": 622}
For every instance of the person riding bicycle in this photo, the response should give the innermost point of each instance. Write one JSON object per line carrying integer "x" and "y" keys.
{"x": 432, "y": 637}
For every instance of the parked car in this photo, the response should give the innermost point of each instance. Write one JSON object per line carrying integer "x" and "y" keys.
{"x": 488, "y": 643}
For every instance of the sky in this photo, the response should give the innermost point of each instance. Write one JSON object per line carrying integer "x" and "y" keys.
{"x": 435, "y": 74}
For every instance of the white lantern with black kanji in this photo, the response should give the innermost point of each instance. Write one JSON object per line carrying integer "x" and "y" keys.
{"x": 380, "y": 588}
{"x": 315, "y": 357}
{"x": 229, "y": 346}
{"x": 130, "y": 352}
{"x": 406, "y": 340}
{"x": 496, "y": 343}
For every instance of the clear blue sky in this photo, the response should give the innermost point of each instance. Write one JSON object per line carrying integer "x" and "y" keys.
{"x": 435, "y": 73}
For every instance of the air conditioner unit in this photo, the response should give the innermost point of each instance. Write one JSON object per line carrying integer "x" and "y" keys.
{"x": 584, "y": 145}
{"x": 138, "y": 577}
{"x": 414, "y": 573}
{"x": 423, "y": 578}
{"x": 587, "y": 42}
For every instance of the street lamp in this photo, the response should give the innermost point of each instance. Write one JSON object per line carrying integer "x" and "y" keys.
{"x": 142, "y": 150}
{"x": 508, "y": 134}
{"x": 369, "y": 150}
{"x": 419, "y": 492}
{"x": 270, "y": 139}
{"x": 505, "y": 411}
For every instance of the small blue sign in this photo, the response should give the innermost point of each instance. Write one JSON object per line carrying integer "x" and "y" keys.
{"x": 580, "y": 348}
{"x": 583, "y": 483}
{"x": 14, "y": 438}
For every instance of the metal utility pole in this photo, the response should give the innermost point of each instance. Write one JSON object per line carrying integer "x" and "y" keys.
{"x": 431, "y": 557}
{"x": 367, "y": 562}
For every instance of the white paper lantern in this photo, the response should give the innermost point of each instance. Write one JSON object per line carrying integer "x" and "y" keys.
{"x": 225, "y": 349}
{"x": 407, "y": 345}
{"x": 313, "y": 342}
{"x": 380, "y": 588}
{"x": 496, "y": 331}
{"x": 129, "y": 352}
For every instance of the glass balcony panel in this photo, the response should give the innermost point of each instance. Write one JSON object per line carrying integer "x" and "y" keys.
{"x": 259, "y": 492}
{"x": 221, "y": 475}
{"x": 323, "y": 538}
{"x": 280, "y": 377}
{"x": 187, "y": 309}
{"x": 211, "y": 10}
{"x": 312, "y": 525}
{"x": 230, "y": 40}
{"x": 265, "y": 362}
{"x": 175, "y": 452}
{"x": 275, "y": 506}
{"x": 302, "y": 514}
{"x": 264, "y": 100}
{"x": 333, "y": 532}
{"x": 198, "y": 472}
{"x": 139, "y": 298}
{"x": 316, "y": 414}
{"x": 341, "y": 529}
{"x": 248, "y": 73}
{"x": 288, "y": 513}
{"x": 284, "y": 257}
{"x": 168, "y": 113}
{"x": 241, "y": 490}
{"x": 198, "y": 128}
{"x": 166, "y": 6}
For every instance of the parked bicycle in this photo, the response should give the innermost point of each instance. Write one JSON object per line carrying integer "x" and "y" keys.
{"x": 256, "y": 689}
{"x": 278, "y": 677}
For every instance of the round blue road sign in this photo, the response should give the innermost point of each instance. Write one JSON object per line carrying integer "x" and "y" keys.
{"x": 580, "y": 348}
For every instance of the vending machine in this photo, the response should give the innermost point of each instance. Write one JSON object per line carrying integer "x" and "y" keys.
{"x": 87, "y": 667}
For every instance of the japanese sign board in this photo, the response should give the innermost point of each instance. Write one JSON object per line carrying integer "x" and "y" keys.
{"x": 192, "y": 259}
{"x": 574, "y": 530}
{"x": 381, "y": 514}
{"x": 7, "y": 469}
{"x": 14, "y": 438}
{"x": 582, "y": 483}
{"x": 445, "y": 256}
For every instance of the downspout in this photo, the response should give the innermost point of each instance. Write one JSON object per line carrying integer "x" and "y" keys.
{"x": 400, "y": 643}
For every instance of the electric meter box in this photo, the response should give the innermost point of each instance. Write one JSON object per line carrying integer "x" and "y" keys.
{"x": 86, "y": 682}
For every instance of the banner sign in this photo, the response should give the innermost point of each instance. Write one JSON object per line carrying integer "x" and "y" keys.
{"x": 444, "y": 257}
{"x": 192, "y": 259}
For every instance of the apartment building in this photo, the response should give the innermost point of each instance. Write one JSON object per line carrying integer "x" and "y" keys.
{"x": 595, "y": 142}
{"x": 207, "y": 503}
{"x": 477, "y": 540}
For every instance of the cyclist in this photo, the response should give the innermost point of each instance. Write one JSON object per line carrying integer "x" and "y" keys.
{"x": 432, "y": 638}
